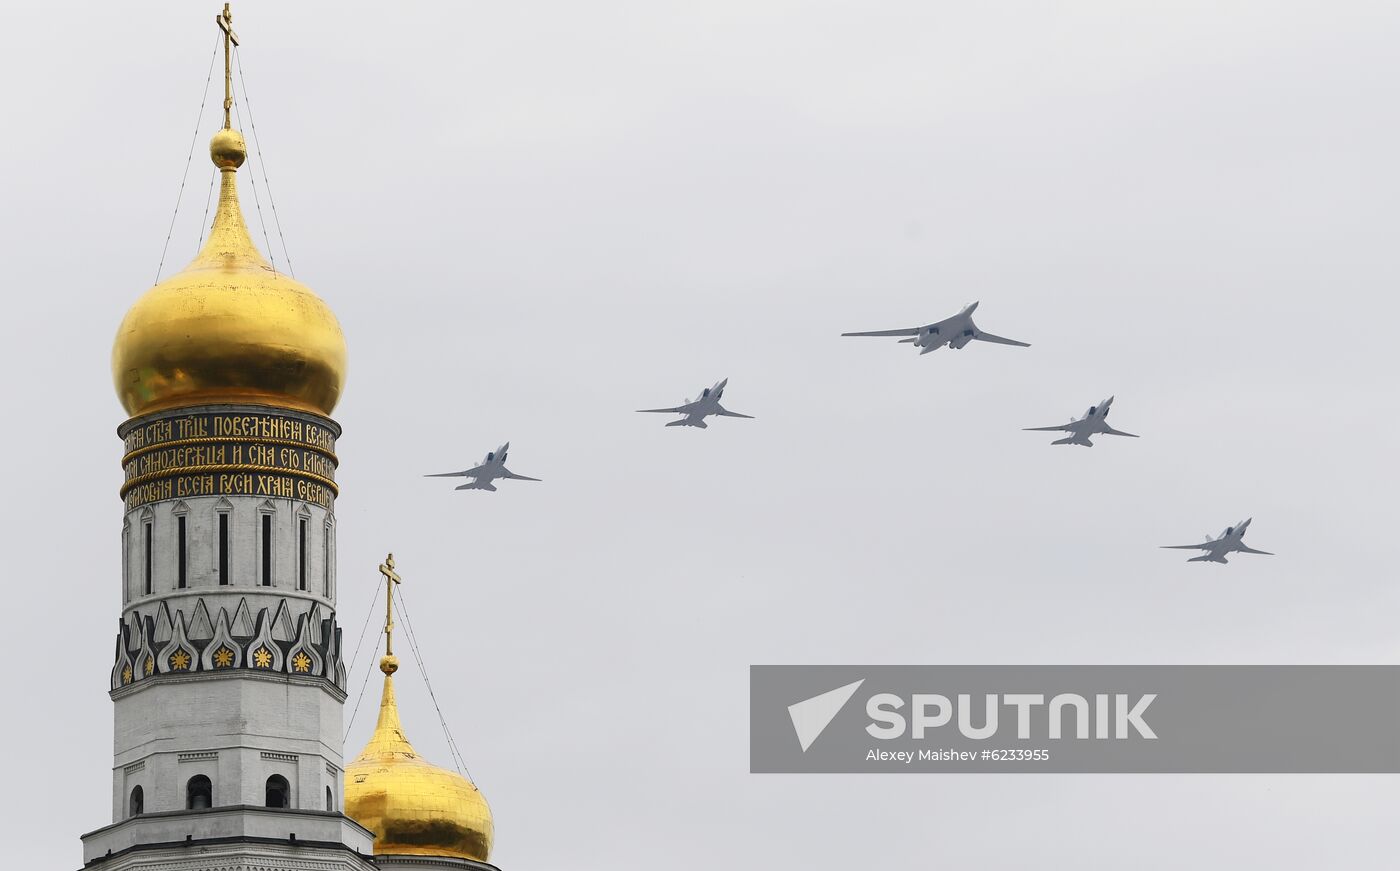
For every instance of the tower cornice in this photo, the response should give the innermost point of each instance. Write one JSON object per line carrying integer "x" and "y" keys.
{"x": 322, "y": 683}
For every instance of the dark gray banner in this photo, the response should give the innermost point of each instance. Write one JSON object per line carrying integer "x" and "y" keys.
{"x": 1074, "y": 718}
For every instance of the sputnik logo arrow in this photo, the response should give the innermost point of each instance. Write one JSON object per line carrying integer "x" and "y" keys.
{"x": 811, "y": 717}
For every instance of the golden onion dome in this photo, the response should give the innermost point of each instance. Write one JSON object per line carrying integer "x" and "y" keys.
{"x": 229, "y": 328}
{"x": 413, "y": 808}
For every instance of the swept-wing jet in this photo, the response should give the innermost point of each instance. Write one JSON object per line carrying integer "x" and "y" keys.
{"x": 695, "y": 411}
{"x": 955, "y": 332}
{"x": 491, "y": 468}
{"x": 1230, "y": 541}
{"x": 1094, "y": 422}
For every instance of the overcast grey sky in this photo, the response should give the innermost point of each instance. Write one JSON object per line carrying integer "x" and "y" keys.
{"x": 532, "y": 218}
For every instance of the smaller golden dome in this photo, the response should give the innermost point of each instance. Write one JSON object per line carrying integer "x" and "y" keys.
{"x": 413, "y": 808}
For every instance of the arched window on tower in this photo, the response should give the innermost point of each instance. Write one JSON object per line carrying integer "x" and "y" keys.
{"x": 279, "y": 794}
{"x": 138, "y": 802}
{"x": 223, "y": 549}
{"x": 126, "y": 561}
{"x": 182, "y": 550}
{"x": 330, "y": 799}
{"x": 149, "y": 560}
{"x": 267, "y": 550}
{"x": 326, "y": 558}
{"x": 301, "y": 553}
{"x": 199, "y": 793}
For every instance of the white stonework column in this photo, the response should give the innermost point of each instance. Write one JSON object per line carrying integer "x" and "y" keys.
{"x": 228, "y": 662}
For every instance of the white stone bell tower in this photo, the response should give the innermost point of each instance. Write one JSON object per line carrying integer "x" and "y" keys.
{"x": 227, "y": 678}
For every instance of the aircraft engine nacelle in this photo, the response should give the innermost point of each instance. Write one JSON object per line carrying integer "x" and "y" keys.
{"x": 960, "y": 341}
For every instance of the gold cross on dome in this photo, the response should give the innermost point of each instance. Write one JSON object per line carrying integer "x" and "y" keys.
{"x": 390, "y": 578}
{"x": 225, "y": 22}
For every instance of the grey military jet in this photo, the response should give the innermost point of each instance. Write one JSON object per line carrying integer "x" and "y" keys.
{"x": 955, "y": 332}
{"x": 491, "y": 468}
{"x": 1094, "y": 422}
{"x": 695, "y": 412}
{"x": 1230, "y": 541}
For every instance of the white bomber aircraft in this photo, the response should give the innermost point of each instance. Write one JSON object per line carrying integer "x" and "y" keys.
{"x": 1230, "y": 541}
{"x": 707, "y": 405}
{"x": 491, "y": 468}
{"x": 955, "y": 332}
{"x": 1094, "y": 422}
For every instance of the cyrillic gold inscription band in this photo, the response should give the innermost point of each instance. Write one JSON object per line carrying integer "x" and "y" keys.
{"x": 226, "y": 439}
{"x": 262, "y": 456}
{"x": 230, "y": 452}
{"x": 230, "y": 483}
{"x": 260, "y": 426}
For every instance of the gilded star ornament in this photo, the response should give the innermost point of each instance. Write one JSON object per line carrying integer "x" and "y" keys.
{"x": 150, "y": 666}
{"x": 262, "y": 658}
{"x": 301, "y": 662}
{"x": 179, "y": 661}
{"x": 223, "y": 657}
{"x": 126, "y": 675}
